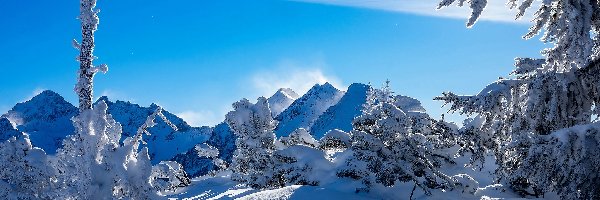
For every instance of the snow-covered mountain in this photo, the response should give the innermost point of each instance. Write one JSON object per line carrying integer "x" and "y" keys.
{"x": 281, "y": 100}
{"x": 305, "y": 110}
{"x": 7, "y": 130}
{"x": 221, "y": 138}
{"x": 340, "y": 115}
{"x": 46, "y": 118}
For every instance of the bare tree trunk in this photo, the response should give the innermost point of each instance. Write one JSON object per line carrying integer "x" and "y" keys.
{"x": 85, "y": 85}
{"x": 87, "y": 70}
{"x": 413, "y": 191}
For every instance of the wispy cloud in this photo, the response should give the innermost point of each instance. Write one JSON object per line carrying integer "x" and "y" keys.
{"x": 289, "y": 74}
{"x": 495, "y": 10}
{"x": 200, "y": 118}
{"x": 34, "y": 93}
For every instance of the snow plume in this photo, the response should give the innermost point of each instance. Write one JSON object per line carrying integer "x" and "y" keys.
{"x": 291, "y": 75}
{"x": 34, "y": 93}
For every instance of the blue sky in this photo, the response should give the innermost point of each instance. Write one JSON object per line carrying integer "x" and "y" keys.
{"x": 196, "y": 57}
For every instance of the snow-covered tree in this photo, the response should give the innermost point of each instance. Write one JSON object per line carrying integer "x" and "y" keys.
{"x": 536, "y": 101}
{"x": 566, "y": 161}
{"x": 88, "y": 14}
{"x": 252, "y": 161}
{"x": 206, "y": 151}
{"x": 94, "y": 164}
{"x": 26, "y": 171}
{"x": 300, "y": 164}
{"x": 335, "y": 140}
{"x": 168, "y": 176}
{"x": 388, "y": 148}
{"x": 300, "y": 137}
{"x": 544, "y": 97}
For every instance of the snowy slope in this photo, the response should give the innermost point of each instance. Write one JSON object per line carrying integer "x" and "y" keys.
{"x": 46, "y": 118}
{"x": 281, "y": 100}
{"x": 222, "y": 187}
{"x": 340, "y": 115}
{"x": 164, "y": 143}
{"x": 305, "y": 110}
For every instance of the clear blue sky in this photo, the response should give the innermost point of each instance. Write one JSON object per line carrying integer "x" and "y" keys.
{"x": 196, "y": 57}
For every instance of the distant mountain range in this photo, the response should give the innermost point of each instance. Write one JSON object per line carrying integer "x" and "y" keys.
{"x": 46, "y": 118}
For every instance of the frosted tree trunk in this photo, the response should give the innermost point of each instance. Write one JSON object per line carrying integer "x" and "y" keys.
{"x": 89, "y": 24}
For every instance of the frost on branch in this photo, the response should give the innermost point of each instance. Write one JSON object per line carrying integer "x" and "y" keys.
{"x": 253, "y": 125}
{"x": 477, "y": 7}
{"x": 206, "y": 151}
{"x": 566, "y": 161}
{"x": 25, "y": 171}
{"x": 335, "y": 140}
{"x": 300, "y": 137}
{"x": 93, "y": 163}
{"x": 168, "y": 176}
{"x": 76, "y": 45}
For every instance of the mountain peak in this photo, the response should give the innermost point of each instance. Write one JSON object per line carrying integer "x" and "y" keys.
{"x": 283, "y": 98}
{"x": 287, "y": 92}
{"x": 45, "y": 106}
{"x": 306, "y": 109}
{"x": 326, "y": 87}
{"x": 340, "y": 115}
{"x": 47, "y": 95}
{"x": 46, "y": 118}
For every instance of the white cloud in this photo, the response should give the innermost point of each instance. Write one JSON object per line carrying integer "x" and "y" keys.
{"x": 201, "y": 118}
{"x": 496, "y": 10}
{"x": 299, "y": 78}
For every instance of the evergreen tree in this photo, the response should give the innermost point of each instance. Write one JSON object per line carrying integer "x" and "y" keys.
{"x": 252, "y": 161}
{"x": 519, "y": 119}
{"x": 388, "y": 148}
{"x": 26, "y": 172}
{"x": 300, "y": 137}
